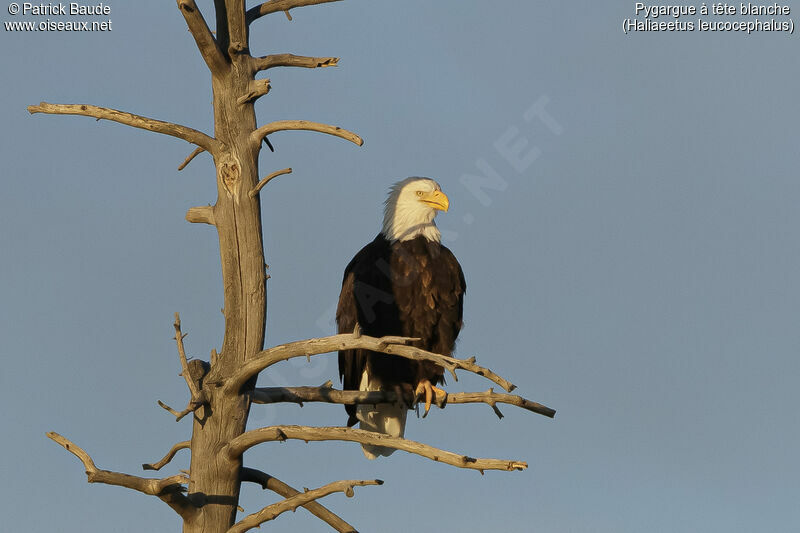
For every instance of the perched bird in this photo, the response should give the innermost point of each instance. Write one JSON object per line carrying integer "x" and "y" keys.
{"x": 405, "y": 282}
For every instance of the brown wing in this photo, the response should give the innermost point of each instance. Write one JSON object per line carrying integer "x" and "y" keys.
{"x": 366, "y": 299}
{"x": 351, "y": 362}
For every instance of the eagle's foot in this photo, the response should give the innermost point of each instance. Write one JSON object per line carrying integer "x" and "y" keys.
{"x": 431, "y": 393}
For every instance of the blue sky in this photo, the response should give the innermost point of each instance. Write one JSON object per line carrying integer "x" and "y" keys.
{"x": 635, "y": 269}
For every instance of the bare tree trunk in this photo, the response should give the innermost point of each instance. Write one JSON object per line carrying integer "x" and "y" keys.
{"x": 215, "y": 478}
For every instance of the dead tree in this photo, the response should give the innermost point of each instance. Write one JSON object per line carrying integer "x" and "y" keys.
{"x": 222, "y": 390}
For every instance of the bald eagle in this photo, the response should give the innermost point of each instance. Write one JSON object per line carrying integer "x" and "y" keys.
{"x": 404, "y": 282}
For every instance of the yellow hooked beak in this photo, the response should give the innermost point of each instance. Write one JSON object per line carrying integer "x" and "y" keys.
{"x": 436, "y": 199}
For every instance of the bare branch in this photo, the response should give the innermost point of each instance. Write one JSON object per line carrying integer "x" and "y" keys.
{"x": 306, "y": 348}
{"x": 167, "y": 489}
{"x": 202, "y": 36}
{"x": 291, "y": 60}
{"x": 349, "y": 341}
{"x": 201, "y": 215}
{"x": 196, "y": 395}
{"x": 283, "y": 125}
{"x": 281, "y": 433}
{"x": 190, "y": 408}
{"x": 492, "y": 398}
{"x": 290, "y": 504}
{"x": 159, "y": 126}
{"x": 299, "y": 395}
{"x": 258, "y": 88}
{"x": 273, "y": 6}
{"x": 192, "y": 373}
{"x": 197, "y": 151}
{"x": 260, "y": 184}
{"x": 167, "y": 458}
{"x": 276, "y": 485}
{"x": 173, "y": 412}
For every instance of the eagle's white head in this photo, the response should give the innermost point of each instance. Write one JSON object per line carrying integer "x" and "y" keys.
{"x": 410, "y": 209}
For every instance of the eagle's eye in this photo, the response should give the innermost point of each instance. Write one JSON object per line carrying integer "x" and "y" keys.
{"x": 419, "y": 193}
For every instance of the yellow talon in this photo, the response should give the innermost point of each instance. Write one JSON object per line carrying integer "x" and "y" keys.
{"x": 431, "y": 394}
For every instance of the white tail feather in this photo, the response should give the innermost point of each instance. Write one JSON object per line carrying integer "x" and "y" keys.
{"x": 389, "y": 419}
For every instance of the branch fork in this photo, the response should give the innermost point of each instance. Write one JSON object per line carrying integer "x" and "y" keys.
{"x": 198, "y": 396}
{"x": 205, "y": 41}
{"x": 291, "y": 503}
{"x": 274, "y": 484}
{"x": 168, "y": 489}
